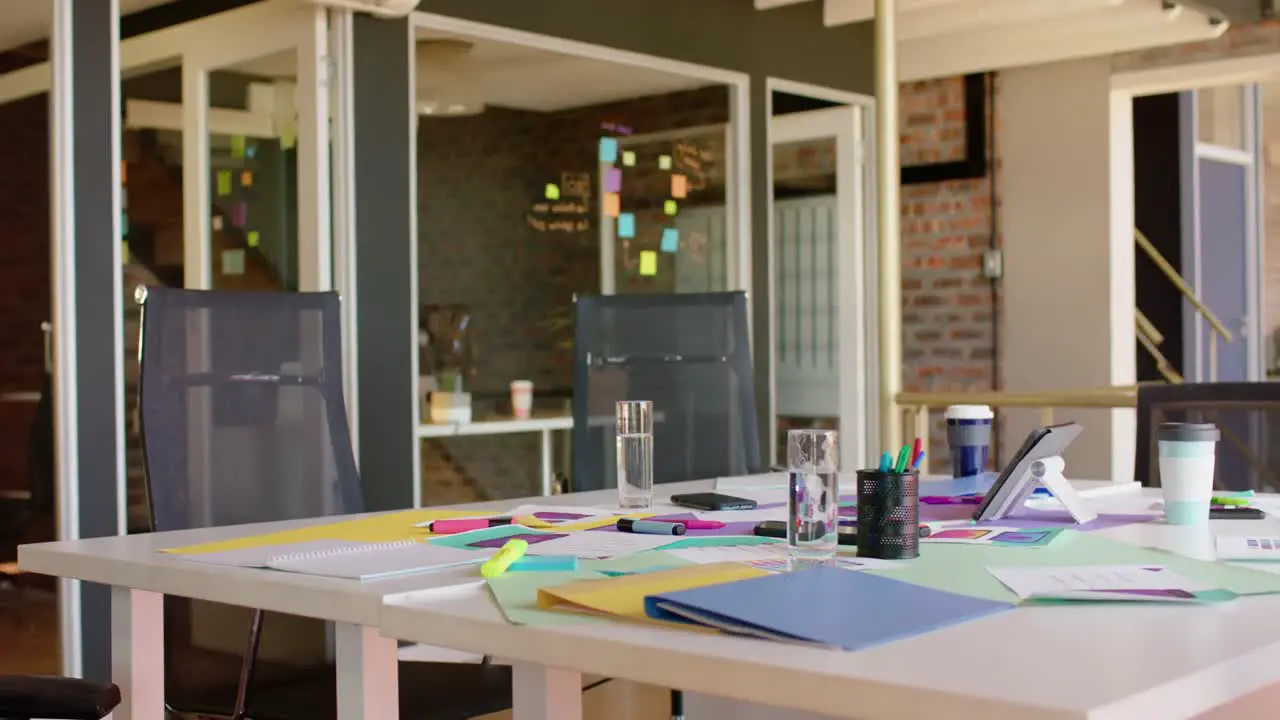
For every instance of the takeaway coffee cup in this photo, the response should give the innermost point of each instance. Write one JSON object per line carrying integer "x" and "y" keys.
{"x": 969, "y": 437}
{"x": 1187, "y": 452}
{"x": 522, "y": 398}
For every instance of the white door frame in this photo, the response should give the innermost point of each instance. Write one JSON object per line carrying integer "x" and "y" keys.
{"x": 850, "y": 126}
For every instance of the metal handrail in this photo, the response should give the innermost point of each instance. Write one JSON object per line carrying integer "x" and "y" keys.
{"x": 1149, "y": 336}
{"x": 1182, "y": 286}
{"x": 1147, "y": 328}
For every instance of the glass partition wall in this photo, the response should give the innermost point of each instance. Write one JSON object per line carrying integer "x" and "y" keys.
{"x": 544, "y": 175}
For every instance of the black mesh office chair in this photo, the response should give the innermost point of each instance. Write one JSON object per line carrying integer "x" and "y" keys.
{"x": 1247, "y": 414}
{"x": 690, "y": 354}
{"x": 244, "y": 420}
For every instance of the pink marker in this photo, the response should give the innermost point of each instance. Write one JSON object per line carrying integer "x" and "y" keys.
{"x": 461, "y": 525}
{"x": 698, "y": 524}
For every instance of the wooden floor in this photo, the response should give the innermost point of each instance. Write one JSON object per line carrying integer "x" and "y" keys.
{"x": 28, "y": 631}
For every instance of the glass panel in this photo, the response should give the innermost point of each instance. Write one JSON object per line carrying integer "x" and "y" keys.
{"x": 28, "y": 603}
{"x": 807, "y": 356}
{"x": 253, "y": 166}
{"x": 151, "y": 223}
{"x": 675, "y": 190}
{"x": 528, "y": 161}
{"x": 1220, "y": 116}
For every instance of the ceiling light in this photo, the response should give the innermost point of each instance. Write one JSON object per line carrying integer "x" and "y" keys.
{"x": 447, "y": 79}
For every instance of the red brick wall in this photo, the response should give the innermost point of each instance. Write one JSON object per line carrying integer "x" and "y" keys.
{"x": 948, "y": 306}
{"x": 24, "y": 272}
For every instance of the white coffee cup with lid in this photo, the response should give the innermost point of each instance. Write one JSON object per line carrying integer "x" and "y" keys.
{"x": 1187, "y": 454}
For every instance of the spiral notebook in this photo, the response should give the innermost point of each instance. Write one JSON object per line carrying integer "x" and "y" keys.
{"x": 375, "y": 561}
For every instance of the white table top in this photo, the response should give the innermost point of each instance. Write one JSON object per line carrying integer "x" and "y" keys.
{"x": 496, "y": 426}
{"x": 1083, "y": 662}
{"x": 1095, "y": 662}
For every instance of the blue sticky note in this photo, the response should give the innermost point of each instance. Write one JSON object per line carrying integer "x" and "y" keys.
{"x": 670, "y": 240}
{"x": 626, "y": 225}
{"x": 608, "y": 150}
{"x": 545, "y": 563}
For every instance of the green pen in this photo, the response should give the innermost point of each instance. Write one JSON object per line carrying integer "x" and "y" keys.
{"x": 901, "y": 465}
{"x": 1229, "y": 501}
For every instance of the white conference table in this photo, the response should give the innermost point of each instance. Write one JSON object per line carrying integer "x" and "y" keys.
{"x": 1095, "y": 662}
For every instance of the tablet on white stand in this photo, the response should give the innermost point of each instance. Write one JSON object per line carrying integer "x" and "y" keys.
{"x": 1037, "y": 462}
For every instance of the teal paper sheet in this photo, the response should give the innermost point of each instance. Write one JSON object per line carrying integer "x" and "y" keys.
{"x": 963, "y": 568}
{"x": 517, "y": 593}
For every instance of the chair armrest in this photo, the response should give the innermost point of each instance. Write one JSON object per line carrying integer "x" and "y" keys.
{"x": 37, "y": 696}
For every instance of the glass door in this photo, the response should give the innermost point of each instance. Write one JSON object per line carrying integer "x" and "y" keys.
{"x": 821, "y": 294}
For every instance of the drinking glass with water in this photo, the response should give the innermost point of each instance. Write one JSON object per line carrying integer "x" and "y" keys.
{"x": 635, "y": 453}
{"x": 813, "y": 497}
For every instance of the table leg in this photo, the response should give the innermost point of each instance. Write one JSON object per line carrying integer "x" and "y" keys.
{"x": 368, "y": 673}
{"x": 543, "y": 693}
{"x": 547, "y": 472}
{"x": 137, "y": 653}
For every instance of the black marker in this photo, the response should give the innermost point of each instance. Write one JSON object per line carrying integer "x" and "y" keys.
{"x": 650, "y": 527}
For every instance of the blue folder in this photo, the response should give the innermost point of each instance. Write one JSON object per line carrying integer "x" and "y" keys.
{"x": 824, "y": 605}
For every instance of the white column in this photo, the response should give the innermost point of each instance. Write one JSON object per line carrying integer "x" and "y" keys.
{"x": 1066, "y": 149}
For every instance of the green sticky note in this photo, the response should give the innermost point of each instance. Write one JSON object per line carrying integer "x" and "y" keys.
{"x": 670, "y": 207}
{"x": 253, "y": 238}
{"x": 237, "y": 146}
{"x": 648, "y": 263}
{"x": 963, "y": 568}
{"x": 664, "y": 162}
{"x": 516, "y": 595}
{"x": 224, "y": 183}
{"x": 552, "y": 192}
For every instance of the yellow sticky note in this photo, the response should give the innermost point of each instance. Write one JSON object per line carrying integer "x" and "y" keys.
{"x": 379, "y": 528}
{"x": 648, "y": 263}
{"x": 124, "y": 253}
{"x": 224, "y": 183}
{"x": 553, "y": 191}
{"x": 664, "y": 162}
{"x": 246, "y": 178}
{"x": 288, "y": 136}
{"x": 628, "y": 158}
{"x": 612, "y": 204}
{"x": 679, "y": 186}
{"x": 253, "y": 238}
{"x": 237, "y": 146}
{"x": 670, "y": 207}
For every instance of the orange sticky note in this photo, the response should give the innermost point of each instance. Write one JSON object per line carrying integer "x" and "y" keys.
{"x": 124, "y": 172}
{"x": 679, "y": 186}
{"x": 612, "y": 204}
{"x": 246, "y": 179}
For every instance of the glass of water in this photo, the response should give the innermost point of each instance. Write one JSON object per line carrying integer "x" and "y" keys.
{"x": 813, "y": 497}
{"x": 635, "y": 453}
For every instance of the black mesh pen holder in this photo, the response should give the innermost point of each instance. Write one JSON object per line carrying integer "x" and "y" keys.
{"x": 888, "y": 514}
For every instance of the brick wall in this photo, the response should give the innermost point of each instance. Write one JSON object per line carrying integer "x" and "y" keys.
{"x": 24, "y": 272}
{"x": 948, "y": 306}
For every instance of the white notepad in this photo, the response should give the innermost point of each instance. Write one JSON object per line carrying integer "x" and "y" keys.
{"x": 375, "y": 561}
{"x": 262, "y": 555}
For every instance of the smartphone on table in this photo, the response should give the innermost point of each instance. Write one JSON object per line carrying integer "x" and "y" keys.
{"x": 711, "y": 501}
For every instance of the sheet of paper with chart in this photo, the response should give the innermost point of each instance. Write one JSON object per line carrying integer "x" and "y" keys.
{"x": 1141, "y": 583}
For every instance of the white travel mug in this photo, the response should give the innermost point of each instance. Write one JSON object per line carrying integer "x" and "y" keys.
{"x": 522, "y": 398}
{"x": 1187, "y": 452}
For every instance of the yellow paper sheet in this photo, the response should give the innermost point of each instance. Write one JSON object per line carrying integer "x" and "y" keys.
{"x": 623, "y": 597}
{"x": 379, "y": 528}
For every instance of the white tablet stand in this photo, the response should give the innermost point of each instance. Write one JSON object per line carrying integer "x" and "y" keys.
{"x": 1048, "y": 472}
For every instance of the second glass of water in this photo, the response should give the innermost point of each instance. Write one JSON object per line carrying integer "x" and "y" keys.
{"x": 813, "y": 497}
{"x": 635, "y": 453}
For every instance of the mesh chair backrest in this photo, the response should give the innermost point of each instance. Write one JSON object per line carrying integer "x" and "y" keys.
{"x": 243, "y": 420}
{"x": 242, "y": 411}
{"x": 690, "y": 354}
{"x": 1247, "y": 414}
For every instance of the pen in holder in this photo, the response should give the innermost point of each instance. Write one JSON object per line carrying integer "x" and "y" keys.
{"x": 889, "y": 514}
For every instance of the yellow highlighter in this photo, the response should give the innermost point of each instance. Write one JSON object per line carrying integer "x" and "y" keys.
{"x": 498, "y": 564}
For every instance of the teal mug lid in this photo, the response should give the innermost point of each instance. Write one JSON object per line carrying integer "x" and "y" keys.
{"x": 1187, "y": 432}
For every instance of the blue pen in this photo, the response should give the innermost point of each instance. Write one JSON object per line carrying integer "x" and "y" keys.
{"x": 886, "y": 462}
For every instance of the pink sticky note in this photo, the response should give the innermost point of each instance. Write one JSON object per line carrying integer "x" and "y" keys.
{"x": 613, "y": 180}
{"x": 239, "y": 214}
